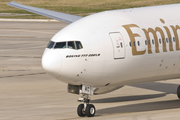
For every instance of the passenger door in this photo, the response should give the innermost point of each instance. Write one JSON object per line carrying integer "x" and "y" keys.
{"x": 118, "y": 45}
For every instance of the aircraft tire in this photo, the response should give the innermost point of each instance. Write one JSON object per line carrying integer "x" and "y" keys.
{"x": 80, "y": 110}
{"x": 90, "y": 110}
{"x": 178, "y": 92}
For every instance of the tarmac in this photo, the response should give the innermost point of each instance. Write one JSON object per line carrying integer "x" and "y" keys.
{"x": 28, "y": 93}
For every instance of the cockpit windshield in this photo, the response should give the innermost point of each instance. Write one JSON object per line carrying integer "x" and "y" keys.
{"x": 50, "y": 44}
{"x": 78, "y": 45}
{"x": 71, "y": 45}
{"x": 67, "y": 44}
{"x": 60, "y": 45}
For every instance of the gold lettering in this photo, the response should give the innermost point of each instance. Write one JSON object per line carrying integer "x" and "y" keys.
{"x": 157, "y": 29}
{"x": 169, "y": 36}
{"x": 132, "y": 38}
{"x": 162, "y": 21}
{"x": 148, "y": 38}
{"x": 133, "y": 35}
{"x": 176, "y": 35}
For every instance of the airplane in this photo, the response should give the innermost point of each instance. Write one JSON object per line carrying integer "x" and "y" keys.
{"x": 104, "y": 51}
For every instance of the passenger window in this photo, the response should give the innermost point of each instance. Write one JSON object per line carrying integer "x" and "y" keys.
{"x": 130, "y": 44}
{"x": 174, "y": 39}
{"x": 78, "y": 45}
{"x": 71, "y": 45}
{"x": 163, "y": 40}
{"x": 152, "y": 41}
{"x": 167, "y": 40}
{"x": 60, "y": 45}
{"x": 138, "y": 43}
{"x": 170, "y": 39}
{"x": 160, "y": 41}
{"x": 134, "y": 43}
{"x": 50, "y": 44}
{"x": 145, "y": 42}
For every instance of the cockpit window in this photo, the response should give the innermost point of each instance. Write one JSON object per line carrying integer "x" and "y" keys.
{"x": 71, "y": 45}
{"x": 67, "y": 44}
{"x": 60, "y": 45}
{"x": 78, "y": 45}
{"x": 51, "y": 44}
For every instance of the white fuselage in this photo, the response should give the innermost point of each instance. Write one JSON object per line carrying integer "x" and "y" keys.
{"x": 120, "y": 47}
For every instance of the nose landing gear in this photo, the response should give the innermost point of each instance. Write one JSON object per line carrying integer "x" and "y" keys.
{"x": 85, "y": 109}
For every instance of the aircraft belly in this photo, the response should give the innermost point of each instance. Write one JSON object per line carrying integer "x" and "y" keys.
{"x": 148, "y": 69}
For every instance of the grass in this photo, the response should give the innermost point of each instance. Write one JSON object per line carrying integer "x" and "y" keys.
{"x": 77, "y": 7}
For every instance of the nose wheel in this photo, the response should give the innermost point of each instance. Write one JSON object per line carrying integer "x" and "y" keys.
{"x": 81, "y": 111}
{"x": 90, "y": 110}
{"x": 85, "y": 109}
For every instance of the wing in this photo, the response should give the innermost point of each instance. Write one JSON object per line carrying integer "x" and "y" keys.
{"x": 67, "y": 18}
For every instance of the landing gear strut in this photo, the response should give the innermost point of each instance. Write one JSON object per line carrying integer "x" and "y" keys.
{"x": 85, "y": 109}
{"x": 178, "y": 92}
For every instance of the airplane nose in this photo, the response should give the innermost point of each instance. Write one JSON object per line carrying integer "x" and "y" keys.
{"x": 51, "y": 62}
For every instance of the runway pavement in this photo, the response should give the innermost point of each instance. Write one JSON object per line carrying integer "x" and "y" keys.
{"x": 28, "y": 93}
